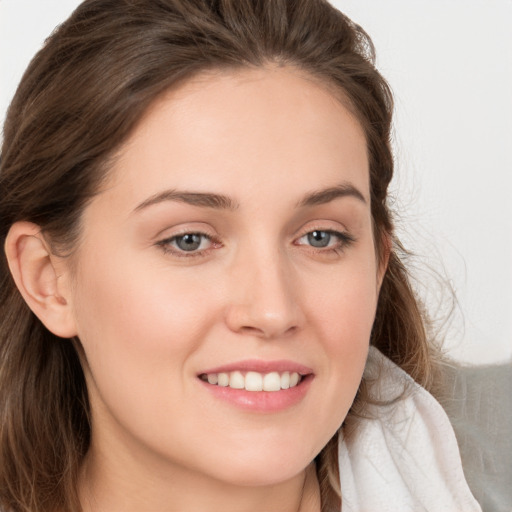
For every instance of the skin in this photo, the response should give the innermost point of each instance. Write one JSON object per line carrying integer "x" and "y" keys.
{"x": 151, "y": 316}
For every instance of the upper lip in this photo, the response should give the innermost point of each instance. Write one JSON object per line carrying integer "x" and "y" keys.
{"x": 260, "y": 366}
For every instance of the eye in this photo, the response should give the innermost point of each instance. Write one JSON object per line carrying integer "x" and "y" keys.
{"x": 319, "y": 238}
{"x": 325, "y": 239}
{"x": 187, "y": 243}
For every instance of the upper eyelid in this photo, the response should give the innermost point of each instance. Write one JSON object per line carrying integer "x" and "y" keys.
{"x": 188, "y": 232}
{"x": 169, "y": 239}
{"x": 176, "y": 232}
{"x": 343, "y": 236}
{"x": 336, "y": 230}
{"x": 322, "y": 224}
{"x": 204, "y": 232}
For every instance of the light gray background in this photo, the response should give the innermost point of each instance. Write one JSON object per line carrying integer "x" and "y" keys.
{"x": 449, "y": 63}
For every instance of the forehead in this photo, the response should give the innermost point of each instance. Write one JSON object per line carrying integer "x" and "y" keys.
{"x": 238, "y": 128}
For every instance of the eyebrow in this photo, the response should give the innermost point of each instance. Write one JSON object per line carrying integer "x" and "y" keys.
{"x": 220, "y": 201}
{"x": 330, "y": 194}
{"x": 201, "y": 199}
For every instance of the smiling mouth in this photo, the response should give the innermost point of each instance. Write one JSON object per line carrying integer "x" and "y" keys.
{"x": 254, "y": 381}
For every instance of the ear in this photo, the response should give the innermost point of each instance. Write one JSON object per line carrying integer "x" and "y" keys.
{"x": 41, "y": 277}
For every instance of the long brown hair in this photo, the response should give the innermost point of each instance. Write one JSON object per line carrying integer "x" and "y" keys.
{"x": 80, "y": 98}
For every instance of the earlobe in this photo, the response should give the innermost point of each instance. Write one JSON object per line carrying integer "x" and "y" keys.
{"x": 33, "y": 267}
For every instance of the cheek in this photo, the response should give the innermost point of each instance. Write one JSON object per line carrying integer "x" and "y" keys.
{"x": 345, "y": 306}
{"x": 343, "y": 315}
{"x": 140, "y": 308}
{"x": 139, "y": 329}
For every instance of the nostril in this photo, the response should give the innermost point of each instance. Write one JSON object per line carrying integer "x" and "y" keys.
{"x": 269, "y": 315}
{"x": 267, "y": 332}
{"x": 249, "y": 329}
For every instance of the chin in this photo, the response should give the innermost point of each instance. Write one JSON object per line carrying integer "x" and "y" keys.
{"x": 262, "y": 475}
{"x": 263, "y": 465}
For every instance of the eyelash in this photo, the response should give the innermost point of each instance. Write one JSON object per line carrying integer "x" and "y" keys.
{"x": 168, "y": 249}
{"x": 344, "y": 241}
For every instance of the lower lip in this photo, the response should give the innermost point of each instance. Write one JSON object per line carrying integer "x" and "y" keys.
{"x": 262, "y": 401}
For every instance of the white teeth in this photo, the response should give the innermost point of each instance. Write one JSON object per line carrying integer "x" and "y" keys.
{"x": 236, "y": 380}
{"x": 223, "y": 379}
{"x": 285, "y": 380}
{"x": 272, "y": 382}
{"x": 254, "y": 381}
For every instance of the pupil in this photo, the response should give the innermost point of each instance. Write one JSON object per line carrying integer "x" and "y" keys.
{"x": 319, "y": 238}
{"x": 189, "y": 242}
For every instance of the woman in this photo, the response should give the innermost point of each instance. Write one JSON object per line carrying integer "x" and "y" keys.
{"x": 198, "y": 256}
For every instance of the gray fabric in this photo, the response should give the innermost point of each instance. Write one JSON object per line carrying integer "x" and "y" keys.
{"x": 479, "y": 405}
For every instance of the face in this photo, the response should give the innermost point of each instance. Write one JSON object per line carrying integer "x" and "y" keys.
{"x": 231, "y": 249}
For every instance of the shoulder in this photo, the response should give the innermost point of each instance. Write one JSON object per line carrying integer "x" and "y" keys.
{"x": 403, "y": 455}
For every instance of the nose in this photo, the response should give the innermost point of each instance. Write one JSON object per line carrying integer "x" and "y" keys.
{"x": 264, "y": 300}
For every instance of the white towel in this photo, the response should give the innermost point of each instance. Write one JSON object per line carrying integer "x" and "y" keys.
{"x": 406, "y": 457}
